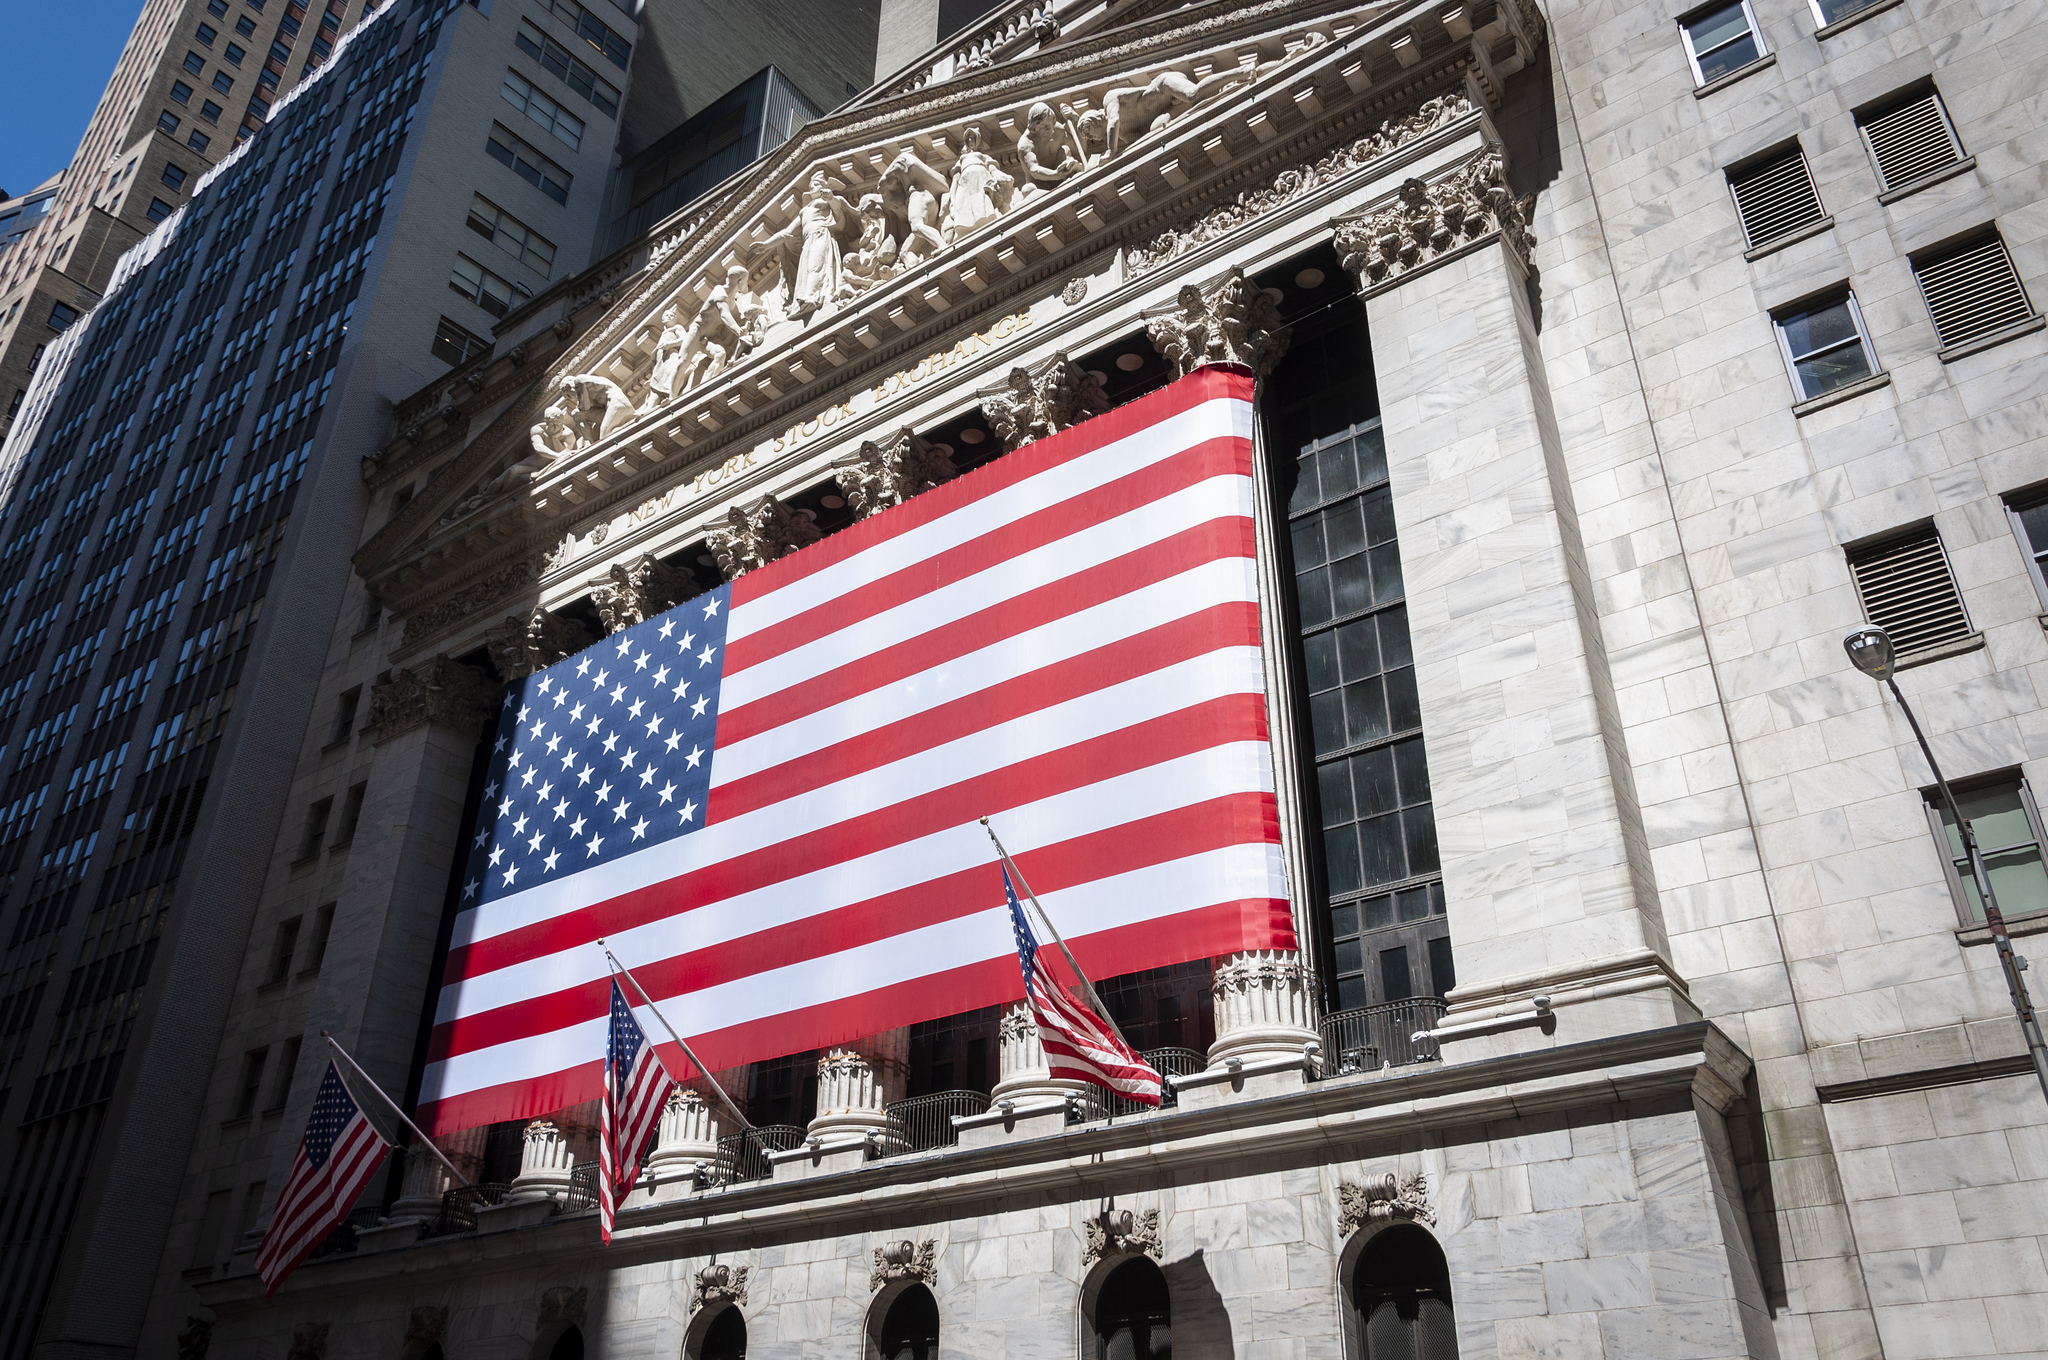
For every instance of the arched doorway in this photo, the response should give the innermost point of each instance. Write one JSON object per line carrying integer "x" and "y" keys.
{"x": 1132, "y": 1317}
{"x": 910, "y": 1329}
{"x": 568, "y": 1346}
{"x": 1403, "y": 1291}
{"x": 726, "y": 1339}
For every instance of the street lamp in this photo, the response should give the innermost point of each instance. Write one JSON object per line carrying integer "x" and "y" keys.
{"x": 1870, "y": 651}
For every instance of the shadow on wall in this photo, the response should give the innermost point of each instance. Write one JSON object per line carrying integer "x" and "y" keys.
{"x": 1529, "y": 135}
{"x": 1201, "y": 1324}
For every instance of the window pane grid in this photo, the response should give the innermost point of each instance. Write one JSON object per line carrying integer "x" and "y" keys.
{"x": 2007, "y": 826}
{"x": 1722, "y": 41}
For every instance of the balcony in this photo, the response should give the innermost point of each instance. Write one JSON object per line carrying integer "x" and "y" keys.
{"x": 1373, "y": 1037}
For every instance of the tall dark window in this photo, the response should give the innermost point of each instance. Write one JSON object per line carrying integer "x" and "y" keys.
{"x": 1382, "y": 881}
{"x": 1132, "y": 1320}
{"x": 910, "y": 1329}
{"x": 783, "y": 1090}
{"x": 726, "y": 1339}
{"x": 568, "y": 1346}
{"x": 1403, "y": 1292}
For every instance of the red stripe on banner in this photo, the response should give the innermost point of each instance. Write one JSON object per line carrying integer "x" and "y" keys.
{"x": 1205, "y": 384}
{"x": 1238, "y": 819}
{"x": 1204, "y": 932}
{"x": 1155, "y": 649}
{"x": 1229, "y": 718}
{"x": 1190, "y": 467}
{"x": 1230, "y": 536}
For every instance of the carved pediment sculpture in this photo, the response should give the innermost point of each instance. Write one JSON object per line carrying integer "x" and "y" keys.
{"x": 1382, "y": 1199}
{"x": 582, "y": 409}
{"x": 881, "y": 475}
{"x": 756, "y": 535}
{"x": 637, "y": 592}
{"x": 563, "y": 1304}
{"x": 1120, "y": 1230}
{"x": 440, "y": 690}
{"x": 906, "y": 1261}
{"x": 720, "y": 1284}
{"x": 1231, "y": 321}
{"x": 522, "y": 646}
{"x": 1426, "y": 220}
{"x": 1033, "y": 403}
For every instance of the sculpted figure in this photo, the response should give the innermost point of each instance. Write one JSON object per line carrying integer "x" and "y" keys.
{"x": 1050, "y": 147}
{"x": 979, "y": 192}
{"x": 669, "y": 353}
{"x": 554, "y": 435}
{"x": 597, "y": 406}
{"x": 809, "y": 248}
{"x": 873, "y": 257}
{"x": 1134, "y": 110}
{"x": 918, "y": 188}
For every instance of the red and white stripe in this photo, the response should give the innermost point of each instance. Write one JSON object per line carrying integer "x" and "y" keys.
{"x": 627, "y": 1126}
{"x": 316, "y": 1199}
{"x": 1079, "y": 1047}
{"x": 1067, "y": 639}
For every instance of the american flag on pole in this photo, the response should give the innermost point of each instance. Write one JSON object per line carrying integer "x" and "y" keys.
{"x": 635, "y": 1089}
{"x": 1078, "y": 1045}
{"x": 766, "y": 800}
{"x": 337, "y": 1157}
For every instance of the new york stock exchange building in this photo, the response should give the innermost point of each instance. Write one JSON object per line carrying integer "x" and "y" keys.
{"x": 1366, "y": 501}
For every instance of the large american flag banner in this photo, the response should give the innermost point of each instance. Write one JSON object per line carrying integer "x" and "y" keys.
{"x": 337, "y": 1157}
{"x": 766, "y": 799}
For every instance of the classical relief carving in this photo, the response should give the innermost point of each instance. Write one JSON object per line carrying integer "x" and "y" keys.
{"x": 440, "y": 691}
{"x": 584, "y": 408}
{"x": 906, "y": 1261}
{"x": 720, "y": 1284}
{"x": 522, "y": 646}
{"x": 467, "y": 602}
{"x": 757, "y": 535}
{"x": 1426, "y": 220}
{"x": 193, "y": 1341}
{"x": 1035, "y": 402}
{"x": 637, "y": 592}
{"x": 309, "y": 1341}
{"x": 1382, "y": 1199}
{"x": 978, "y": 192}
{"x": 888, "y": 473}
{"x": 1231, "y": 321}
{"x": 563, "y": 1304}
{"x": 1289, "y": 185}
{"x": 1115, "y": 1231}
{"x": 808, "y": 250}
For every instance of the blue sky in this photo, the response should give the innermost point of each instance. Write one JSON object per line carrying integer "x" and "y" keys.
{"x": 49, "y": 93}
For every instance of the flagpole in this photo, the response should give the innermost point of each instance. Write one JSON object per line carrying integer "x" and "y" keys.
{"x": 695, "y": 1061}
{"x": 1087, "y": 987}
{"x": 358, "y": 1069}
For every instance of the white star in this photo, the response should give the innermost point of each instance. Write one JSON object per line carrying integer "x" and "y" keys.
{"x": 481, "y": 837}
{"x": 618, "y": 693}
{"x": 512, "y": 761}
{"x": 576, "y": 828}
{"x": 687, "y": 641}
{"x": 497, "y": 853}
{"x": 554, "y": 743}
{"x": 667, "y": 626}
{"x": 611, "y": 739}
{"x": 499, "y": 749}
{"x": 595, "y": 723}
{"x": 536, "y": 730}
{"x": 561, "y": 696}
{"x": 504, "y": 807}
{"x": 668, "y": 790}
{"x": 595, "y": 841}
{"x": 697, "y": 709}
{"x": 469, "y": 890}
{"x": 598, "y": 680}
{"x": 654, "y": 725}
{"x": 634, "y": 711}
{"x": 661, "y": 676}
{"x": 545, "y": 681}
{"x": 519, "y": 827}
{"x": 604, "y": 791}
{"x": 647, "y": 776}
{"x": 583, "y": 775}
{"x": 534, "y": 844}
{"x": 511, "y": 872}
{"x": 640, "y": 662}
{"x": 526, "y": 776}
{"x": 569, "y": 759}
{"x": 490, "y": 790}
{"x": 543, "y": 791}
{"x": 639, "y": 828}
{"x": 696, "y": 754}
{"x": 561, "y": 809}
{"x": 682, "y": 688}
{"x": 704, "y": 657}
{"x": 688, "y": 810}
{"x": 711, "y": 606}
{"x": 576, "y": 713}
{"x": 619, "y": 812}
{"x": 523, "y": 711}
{"x": 625, "y": 645}
{"x": 626, "y": 760}
{"x": 674, "y": 740}
{"x": 549, "y": 862}
{"x": 583, "y": 666}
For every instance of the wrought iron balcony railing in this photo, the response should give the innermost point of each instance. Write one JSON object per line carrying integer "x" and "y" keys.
{"x": 923, "y": 1123}
{"x": 744, "y": 1156}
{"x": 1371, "y": 1037}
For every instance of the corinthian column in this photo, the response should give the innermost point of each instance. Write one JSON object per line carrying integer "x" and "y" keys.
{"x": 1265, "y": 1006}
{"x": 856, "y": 1082}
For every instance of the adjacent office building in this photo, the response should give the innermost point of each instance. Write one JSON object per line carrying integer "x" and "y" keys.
{"x": 185, "y": 492}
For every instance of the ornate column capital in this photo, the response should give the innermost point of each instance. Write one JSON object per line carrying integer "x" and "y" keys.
{"x": 1229, "y": 321}
{"x": 856, "y": 1082}
{"x": 545, "y": 1162}
{"x": 1035, "y": 402}
{"x": 756, "y": 535}
{"x": 1021, "y": 1069}
{"x": 634, "y": 592}
{"x": 1426, "y": 222}
{"x": 520, "y": 647}
{"x": 881, "y": 475}
{"x": 688, "y": 1134}
{"x": 1265, "y": 1005}
{"x": 438, "y": 691}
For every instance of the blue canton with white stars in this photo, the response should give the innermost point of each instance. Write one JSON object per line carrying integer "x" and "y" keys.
{"x": 626, "y": 1042}
{"x": 603, "y": 754}
{"x": 1027, "y": 943}
{"x": 333, "y": 1108}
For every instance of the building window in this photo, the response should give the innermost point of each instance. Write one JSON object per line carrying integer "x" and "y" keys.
{"x": 1721, "y": 40}
{"x": 62, "y": 315}
{"x": 216, "y": 7}
{"x": 592, "y": 30}
{"x": 267, "y": 79}
{"x": 223, "y": 82}
{"x": 198, "y": 141}
{"x": 520, "y": 94}
{"x": 522, "y": 160}
{"x": 481, "y": 286}
{"x": 1971, "y": 290}
{"x": 2007, "y": 825}
{"x": 252, "y": 1082}
{"x": 282, "y": 948}
{"x": 316, "y": 948}
{"x": 245, "y": 26}
{"x": 345, "y": 715}
{"x": 726, "y": 1338}
{"x": 280, "y": 53}
{"x": 456, "y": 346}
{"x": 1402, "y": 1290}
{"x": 316, "y": 828}
{"x": 194, "y": 63}
{"x": 1834, "y": 11}
{"x": 783, "y": 1090}
{"x": 1775, "y": 197}
{"x": 1133, "y": 1314}
{"x": 1910, "y": 140}
{"x": 259, "y": 107}
{"x": 351, "y": 814}
{"x": 2029, "y": 516}
{"x": 234, "y": 54}
{"x": 910, "y": 1329}
{"x": 512, "y": 236}
{"x": 181, "y": 92}
{"x": 173, "y": 176}
{"x": 167, "y": 122}
{"x": 287, "y": 1068}
{"x": 210, "y": 111}
{"x": 1907, "y": 589}
{"x": 1824, "y": 345}
{"x": 560, "y": 61}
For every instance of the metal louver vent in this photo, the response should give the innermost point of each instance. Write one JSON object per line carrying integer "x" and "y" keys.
{"x": 1907, "y": 591}
{"x": 1912, "y": 141}
{"x": 1973, "y": 292}
{"x": 1776, "y": 197}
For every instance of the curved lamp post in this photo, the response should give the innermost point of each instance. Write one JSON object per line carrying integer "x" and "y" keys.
{"x": 1870, "y": 651}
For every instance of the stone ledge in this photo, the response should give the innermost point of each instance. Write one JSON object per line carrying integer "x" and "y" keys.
{"x": 1764, "y": 62}
{"x": 1979, "y": 344}
{"x": 1867, "y": 12}
{"x": 2025, "y": 925}
{"x": 1841, "y": 394}
{"x": 1790, "y": 238}
{"x": 1911, "y": 187}
{"x": 1960, "y": 1075}
{"x": 1940, "y": 651}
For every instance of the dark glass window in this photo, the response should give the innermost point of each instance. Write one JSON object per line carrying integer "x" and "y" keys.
{"x": 194, "y": 63}
{"x": 955, "y": 1053}
{"x": 910, "y": 1331}
{"x": 1132, "y": 1319}
{"x": 783, "y": 1090}
{"x": 454, "y": 345}
{"x": 1403, "y": 1292}
{"x": 181, "y": 92}
{"x": 568, "y": 1346}
{"x": 223, "y": 82}
{"x": 210, "y": 111}
{"x": 235, "y": 54}
{"x": 245, "y": 25}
